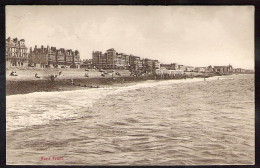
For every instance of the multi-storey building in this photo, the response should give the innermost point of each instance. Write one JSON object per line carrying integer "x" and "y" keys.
{"x": 135, "y": 63}
{"x": 76, "y": 59}
{"x": 96, "y": 59}
{"x": 172, "y": 66}
{"x": 16, "y": 52}
{"x": 189, "y": 69}
{"x": 38, "y": 57}
{"x": 114, "y": 60}
{"x": 182, "y": 67}
{"x": 127, "y": 63}
{"x": 239, "y": 70}
{"x": 52, "y": 57}
{"x": 99, "y": 60}
{"x": 87, "y": 63}
{"x": 148, "y": 64}
{"x": 223, "y": 69}
{"x": 156, "y": 64}
{"x": 200, "y": 69}
{"x": 111, "y": 58}
{"x": 210, "y": 68}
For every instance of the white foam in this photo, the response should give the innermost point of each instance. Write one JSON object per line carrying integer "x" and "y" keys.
{"x": 41, "y": 107}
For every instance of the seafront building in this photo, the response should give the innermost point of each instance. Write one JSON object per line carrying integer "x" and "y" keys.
{"x": 189, "y": 69}
{"x": 172, "y": 66}
{"x": 50, "y": 57}
{"x": 200, "y": 69}
{"x": 223, "y": 69}
{"x": 16, "y": 52}
{"x": 86, "y": 63}
{"x": 114, "y": 60}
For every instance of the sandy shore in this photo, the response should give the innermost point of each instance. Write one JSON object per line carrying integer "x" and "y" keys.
{"x": 28, "y": 73}
{"x": 26, "y": 82}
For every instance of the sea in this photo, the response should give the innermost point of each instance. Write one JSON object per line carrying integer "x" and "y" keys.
{"x": 154, "y": 122}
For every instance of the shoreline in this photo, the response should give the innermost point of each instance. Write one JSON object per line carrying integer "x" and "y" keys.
{"x": 44, "y": 85}
{"x": 26, "y": 83}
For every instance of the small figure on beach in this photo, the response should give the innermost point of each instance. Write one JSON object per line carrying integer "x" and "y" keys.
{"x": 36, "y": 76}
{"x": 60, "y": 73}
{"x": 52, "y": 77}
{"x": 117, "y": 73}
{"x": 102, "y": 74}
{"x": 72, "y": 82}
{"x": 13, "y": 73}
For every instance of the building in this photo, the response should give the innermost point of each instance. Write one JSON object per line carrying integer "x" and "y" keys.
{"x": 156, "y": 64}
{"x": 50, "y": 57}
{"x": 239, "y": 70}
{"x": 16, "y": 52}
{"x": 182, "y": 67}
{"x": 135, "y": 63}
{"x": 97, "y": 57}
{"x": 87, "y": 63}
{"x": 172, "y": 66}
{"x": 249, "y": 71}
{"x": 110, "y": 60}
{"x": 223, "y": 69}
{"x": 114, "y": 60}
{"x": 38, "y": 57}
{"x": 147, "y": 65}
{"x": 200, "y": 69}
{"x": 189, "y": 69}
{"x": 76, "y": 60}
{"x": 120, "y": 61}
{"x": 210, "y": 69}
{"x": 127, "y": 62}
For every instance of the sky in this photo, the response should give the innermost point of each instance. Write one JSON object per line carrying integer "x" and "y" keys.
{"x": 188, "y": 35}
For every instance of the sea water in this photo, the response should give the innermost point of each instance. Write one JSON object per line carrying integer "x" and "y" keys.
{"x": 168, "y": 122}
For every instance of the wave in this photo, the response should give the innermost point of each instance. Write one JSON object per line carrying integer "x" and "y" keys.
{"x": 41, "y": 107}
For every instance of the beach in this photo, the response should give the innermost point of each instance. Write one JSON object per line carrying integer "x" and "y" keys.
{"x": 150, "y": 122}
{"x": 26, "y": 82}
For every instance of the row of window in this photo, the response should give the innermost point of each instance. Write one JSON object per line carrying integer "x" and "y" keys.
{"x": 17, "y": 55}
{"x": 13, "y": 49}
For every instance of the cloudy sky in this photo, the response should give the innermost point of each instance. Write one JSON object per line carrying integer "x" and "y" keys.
{"x": 189, "y": 35}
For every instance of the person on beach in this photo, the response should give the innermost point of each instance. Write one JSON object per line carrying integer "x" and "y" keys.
{"x": 52, "y": 77}
{"x": 60, "y": 73}
{"x": 36, "y": 76}
{"x": 72, "y": 82}
{"x": 13, "y": 73}
{"x": 102, "y": 74}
